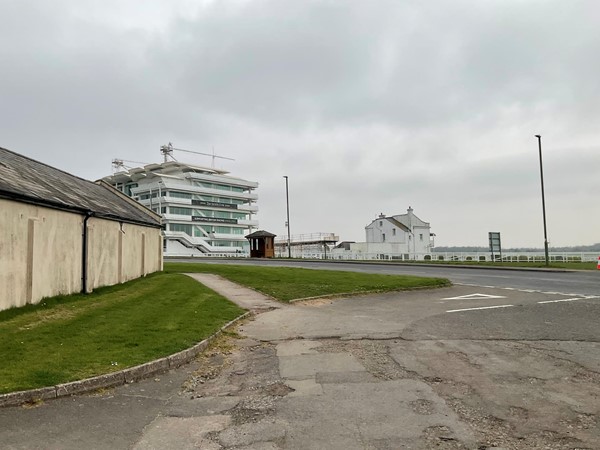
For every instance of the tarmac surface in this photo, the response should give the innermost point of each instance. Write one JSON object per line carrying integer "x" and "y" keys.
{"x": 464, "y": 367}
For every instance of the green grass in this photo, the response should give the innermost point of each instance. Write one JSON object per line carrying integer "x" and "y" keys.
{"x": 72, "y": 337}
{"x": 287, "y": 283}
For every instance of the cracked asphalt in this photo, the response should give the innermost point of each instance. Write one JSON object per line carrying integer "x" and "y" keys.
{"x": 452, "y": 368}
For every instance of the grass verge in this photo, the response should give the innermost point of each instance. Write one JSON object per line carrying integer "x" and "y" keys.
{"x": 67, "y": 338}
{"x": 289, "y": 283}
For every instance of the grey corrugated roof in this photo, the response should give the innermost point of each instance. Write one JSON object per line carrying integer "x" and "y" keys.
{"x": 27, "y": 180}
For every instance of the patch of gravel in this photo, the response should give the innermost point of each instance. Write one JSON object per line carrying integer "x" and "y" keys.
{"x": 373, "y": 355}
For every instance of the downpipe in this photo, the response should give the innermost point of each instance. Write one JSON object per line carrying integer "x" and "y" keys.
{"x": 84, "y": 252}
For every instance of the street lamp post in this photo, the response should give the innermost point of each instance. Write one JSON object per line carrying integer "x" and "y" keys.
{"x": 287, "y": 203}
{"x": 539, "y": 138}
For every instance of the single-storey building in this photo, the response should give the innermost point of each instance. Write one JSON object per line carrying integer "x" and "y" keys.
{"x": 262, "y": 244}
{"x": 61, "y": 234}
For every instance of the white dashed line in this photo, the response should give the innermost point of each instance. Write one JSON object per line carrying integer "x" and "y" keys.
{"x": 476, "y": 309}
{"x": 588, "y": 297}
{"x": 561, "y": 300}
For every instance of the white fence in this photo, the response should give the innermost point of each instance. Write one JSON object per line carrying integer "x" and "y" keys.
{"x": 347, "y": 255}
{"x": 298, "y": 239}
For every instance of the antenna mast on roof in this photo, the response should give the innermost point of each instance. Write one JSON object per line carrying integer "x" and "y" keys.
{"x": 167, "y": 151}
{"x": 119, "y": 164}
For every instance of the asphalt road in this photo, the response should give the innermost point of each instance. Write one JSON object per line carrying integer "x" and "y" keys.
{"x": 572, "y": 283}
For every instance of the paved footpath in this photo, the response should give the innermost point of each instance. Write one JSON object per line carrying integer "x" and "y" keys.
{"x": 449, "y": 368}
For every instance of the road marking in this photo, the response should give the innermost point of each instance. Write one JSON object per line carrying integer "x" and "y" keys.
{"x": 529, "y": 291}
{"x": 483, "y": 307}
{"x": 473, "y": 297}
{"x": 560, "y": 300}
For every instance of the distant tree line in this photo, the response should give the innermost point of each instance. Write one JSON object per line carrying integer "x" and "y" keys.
{"x": 576, "y": 248}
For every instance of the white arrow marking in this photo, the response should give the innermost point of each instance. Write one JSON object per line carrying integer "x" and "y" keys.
{"x": 474, "y": 297}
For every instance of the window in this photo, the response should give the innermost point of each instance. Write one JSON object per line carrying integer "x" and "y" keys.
{"x": 381, "y": 223}
{"x": 421, "y": 237}
{"x": 178, "y": 194}
{"x": 181, "y": 227}
{"x": 221, "y": 187}
{"x": 180, "y": 211}
{"x": 383, "y": 236}
{"x": 129, "y": 187}
{"x": 393, "y": 232}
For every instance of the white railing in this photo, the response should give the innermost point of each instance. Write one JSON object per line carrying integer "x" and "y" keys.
{"x": 347, "y": 255}
{"x": 305, "y": 238}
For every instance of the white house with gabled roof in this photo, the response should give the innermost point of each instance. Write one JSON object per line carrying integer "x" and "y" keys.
{"x": 409, "y": 233}
{"x": 403, "y": 236}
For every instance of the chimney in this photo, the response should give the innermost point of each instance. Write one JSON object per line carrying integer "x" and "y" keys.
{"x": 381, "y": 215}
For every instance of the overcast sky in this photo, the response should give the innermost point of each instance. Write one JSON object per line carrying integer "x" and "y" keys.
{"x": 368, "y": 106}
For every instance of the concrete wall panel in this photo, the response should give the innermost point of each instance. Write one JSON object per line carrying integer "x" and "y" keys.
{"x": 103, "y": 253}
{"x": 142, "y": 252}
{"x": 41, "y": 252}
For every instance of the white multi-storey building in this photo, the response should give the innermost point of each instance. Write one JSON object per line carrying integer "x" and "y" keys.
{"x": 205, "y": 211}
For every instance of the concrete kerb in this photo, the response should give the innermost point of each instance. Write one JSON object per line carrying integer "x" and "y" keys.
{"x": 114, "y": 379}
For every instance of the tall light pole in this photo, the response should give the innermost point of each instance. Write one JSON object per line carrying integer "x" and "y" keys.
{"x": 287, "y": 203}
{"x": 539, "y": 138}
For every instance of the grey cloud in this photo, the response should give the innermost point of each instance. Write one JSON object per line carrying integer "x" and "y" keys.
{"x": 368, "y": 106}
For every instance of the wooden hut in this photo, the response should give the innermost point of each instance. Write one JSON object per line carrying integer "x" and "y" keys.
{"x": 262, "y": 244}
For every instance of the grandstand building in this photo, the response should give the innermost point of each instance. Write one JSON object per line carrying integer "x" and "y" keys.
{"x": 205, "y": 211}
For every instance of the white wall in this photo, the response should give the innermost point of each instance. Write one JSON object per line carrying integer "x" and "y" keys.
{"x": 421, "y": 240}
{"x": 38, "y": 248}
{"x": 41, "y": 252}
{"x": 383, "y": 227}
